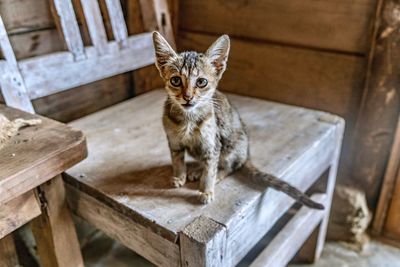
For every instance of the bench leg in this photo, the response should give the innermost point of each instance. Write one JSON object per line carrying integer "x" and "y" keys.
{"x": 8, "y": 255}
{"x": 203, "y": 244}
{"x": 54, "y": 230}
{"x": 312, "y": 248}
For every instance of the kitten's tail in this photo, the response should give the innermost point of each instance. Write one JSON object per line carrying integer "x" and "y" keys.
{"x": 279, "y": 185}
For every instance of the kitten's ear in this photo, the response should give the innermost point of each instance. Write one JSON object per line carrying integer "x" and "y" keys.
{"x": 218, "y": 53}
{"x": 163, "y": 51}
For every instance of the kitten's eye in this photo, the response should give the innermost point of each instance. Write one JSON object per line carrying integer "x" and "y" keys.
{"x": 201, "y": 82}
{"x": 175, "y": 81}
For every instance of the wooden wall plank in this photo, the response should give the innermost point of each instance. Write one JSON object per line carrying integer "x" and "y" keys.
{"x": 73, "y": 104}
{"x": 320, "y": 80}
{"x": 334, "y": 25}
{"x": 26, "y": 15}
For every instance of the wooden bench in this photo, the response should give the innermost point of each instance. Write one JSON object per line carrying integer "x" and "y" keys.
{"x": 122, "y": 187}
{"x": 32, "y": 190}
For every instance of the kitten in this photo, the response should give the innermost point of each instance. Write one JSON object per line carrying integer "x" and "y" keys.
{"x": 200, "y": 120}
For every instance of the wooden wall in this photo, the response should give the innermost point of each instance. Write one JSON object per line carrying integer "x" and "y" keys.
{"x": 307, "y": 53}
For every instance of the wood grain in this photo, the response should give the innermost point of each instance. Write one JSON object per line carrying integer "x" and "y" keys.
{"x": 290, "y": 238}
{"x": 380, "y": 105}
{"x": 293, "y": 143}
{"x": 37, "y": 154}
{"x": 330, "y": 25}
{"x": 54, "y": 230}
{"x": 302, "y": 77}
{"x": 203, "y": 243}
{"x": 8, "y": 254}
{"x": 27, "y": 207}
{"x": 121, "y": 227}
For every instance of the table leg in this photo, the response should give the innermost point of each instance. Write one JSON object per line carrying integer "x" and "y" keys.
{"x": 8, "y": 255}
{"x": 54, "y": 230}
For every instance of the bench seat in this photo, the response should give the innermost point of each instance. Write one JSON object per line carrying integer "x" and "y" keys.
{"x": 126, "y": 176}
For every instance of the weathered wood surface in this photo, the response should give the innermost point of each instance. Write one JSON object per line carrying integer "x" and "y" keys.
{"x": 17, "y": 212}
{"x": 116, "y": 15}
{"x": 203, "y": 243}
{"x": 135, "y": 236}
{"x": 8, "y": 253}
{"x": 330, "y": 25}
{"x": 37, "y": 154}
{"x": 388, "y": 185}
{"x": 54, "y": 229}
{"x": 56, "y": 72}
{"x": 303, "y": 77}
{"x": 392, "y": 225}
{"x": 12, "y": 84}
{"x": 137, "y": 184}
{"x": 288, "y": 241}
{"x": 380, "y": 104}
{"x": 64, "y": 15}
{"x": 27, "y": 15}
{"x": 106, "y": 92}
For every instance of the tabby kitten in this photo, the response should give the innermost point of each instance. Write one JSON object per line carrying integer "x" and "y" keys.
{"x": 199, "y": 119}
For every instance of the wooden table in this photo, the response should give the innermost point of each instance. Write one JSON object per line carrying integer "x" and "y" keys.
{"x": 32, "y": 190}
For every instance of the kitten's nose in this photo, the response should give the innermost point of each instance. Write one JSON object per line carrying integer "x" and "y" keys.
{"x": 187, "y": 96}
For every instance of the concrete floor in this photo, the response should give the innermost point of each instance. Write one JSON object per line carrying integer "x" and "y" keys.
{"x": 103, "y": 252}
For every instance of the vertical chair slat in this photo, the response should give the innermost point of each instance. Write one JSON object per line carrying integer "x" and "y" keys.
{"x": 117, "y": 21}
{"x": 69, "y": 25}
{"x": 94, "y": 20}
{"x": 12, "y": 83}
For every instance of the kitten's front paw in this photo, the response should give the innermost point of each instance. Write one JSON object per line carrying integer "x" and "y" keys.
{"x": 194, "y": 175}
{"x": 178, "y": 182}
{"x": 206, "y": 197}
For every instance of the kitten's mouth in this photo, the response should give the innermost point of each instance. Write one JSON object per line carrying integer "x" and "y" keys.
{"x": 187, "y": 105}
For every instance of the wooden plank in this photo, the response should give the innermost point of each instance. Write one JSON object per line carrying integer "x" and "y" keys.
{"x": 107, "y": 92}
{"x": 330, "y": 25}
{"x": 54, "y": 230}
{"x": 8, "y": 253}
{"x": 12, "y": 84}
{"x": 147, "y": 78}
{"x": 40, "y": 72}
{"x": 285, "y": 245}
{"x": 292, "y": 143}
{"x": 203, "y": 243}
{"x": 25, "y": 16}
{"x": 117, "y": 225}
{"x": 117, "y": 21}
{"x": 64, "y": 14}
{"x": 36, "y": 43}
{"x": 380, "y": 105}
{"x": 392, "y": 223}
{"x": 302, "y": 77}
{"x": 37, "y": 154}
{"x": 27, "y": 207}
{"x": 95, "y": 25}
{"x": 388, "y": 186}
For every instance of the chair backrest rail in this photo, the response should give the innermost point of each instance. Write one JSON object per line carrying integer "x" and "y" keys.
{"x": 56, "y": 72}
{"x": 117, "y": 21}
{"x": 95, "y": 24}
{"x": 24, "y": 80}
{"x": 70, "y": 28}
{"x": 12, "y": 84}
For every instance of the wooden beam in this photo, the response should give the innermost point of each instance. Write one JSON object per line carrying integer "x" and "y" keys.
{"x": 10, "y": 220}
{"x": 380, "y": 103}
{"x": 8, "y": 254}
{"x": 203, "y": 243}
{"x": 66, "y": 22}
{"x": 54, "y": 230}
{"x": 12, "y": 84}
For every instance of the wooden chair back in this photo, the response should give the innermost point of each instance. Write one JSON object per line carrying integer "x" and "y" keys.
{"x": 32, "y": 78}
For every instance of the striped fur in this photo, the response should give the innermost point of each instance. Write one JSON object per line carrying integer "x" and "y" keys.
{"x": 200, "y": 120}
